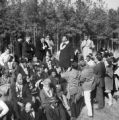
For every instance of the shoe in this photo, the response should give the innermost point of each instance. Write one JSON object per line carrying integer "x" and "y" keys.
{"x": 73, "y": 118}
{"x": 99, "y": 108}
{"x": 90, "y": 116}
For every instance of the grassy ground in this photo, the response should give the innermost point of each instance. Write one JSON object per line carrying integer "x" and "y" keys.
{"x": 108, "y": 113}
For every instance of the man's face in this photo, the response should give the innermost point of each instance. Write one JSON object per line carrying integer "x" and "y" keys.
{"x": 53, "y": 74}
{"x": 28, "y": 107}
{"x": 19, "y": 79}
{"x": 86, "y": 37}
{"x": 42, "y": 40}
{"x": 40, "y": 70}
{"x": 64, "y": 39}
{"x": 7, "y": 51}
{"x": 47, "y": 37}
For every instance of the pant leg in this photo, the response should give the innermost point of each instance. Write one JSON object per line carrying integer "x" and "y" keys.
{"x": 62, "y": 113}
{"x": 116, "y": 83}
{"x": 87, "y": 98}
{"x": 72, "y": 106}
{"x": 100, "y": 96}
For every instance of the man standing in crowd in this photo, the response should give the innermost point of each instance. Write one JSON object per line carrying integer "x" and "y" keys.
{"x": 99, "y": 71}
{"x": 27, "y": 49}
{"x": 41, "y": 48}
{"x": 66, "y": 53}
{"x": 50, "y": 43}
{"x": 87, "y": 46}
{"x": 18, "y": 49}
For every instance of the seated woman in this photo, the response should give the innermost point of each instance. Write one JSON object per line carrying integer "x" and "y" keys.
{"x": 53, "y": 108}
{"x": 19, "y": 95}
{"x": 57, "y": 87}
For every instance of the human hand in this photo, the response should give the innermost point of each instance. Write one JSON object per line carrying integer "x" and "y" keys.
{"x": 20, "y": 104}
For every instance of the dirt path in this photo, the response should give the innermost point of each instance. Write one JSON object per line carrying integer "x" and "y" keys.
{"x": 108, "y": 113}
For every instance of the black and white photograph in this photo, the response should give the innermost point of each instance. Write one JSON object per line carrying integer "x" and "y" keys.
{"x": 59, "y": 59}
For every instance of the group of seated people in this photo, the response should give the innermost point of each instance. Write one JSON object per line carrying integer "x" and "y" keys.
{"x": 44, "y": 91}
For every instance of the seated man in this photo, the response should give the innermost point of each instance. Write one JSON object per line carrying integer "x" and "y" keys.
{"x": 54, "y": 110}
{"x": 30, "y": 114}
{"x": 19, "y": 94}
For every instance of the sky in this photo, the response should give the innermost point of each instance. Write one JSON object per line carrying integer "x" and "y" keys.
{"x": 110, "y": 3}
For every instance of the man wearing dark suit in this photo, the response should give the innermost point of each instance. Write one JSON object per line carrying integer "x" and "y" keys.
{"x": 19, "y": 96}
{"x": 66, "y": 53}
{"x": 30, "y": 114}
{"x": 18, "y": 49}
{"x": 27, "y": 49}
{"x": 99, "y": 71}
{"x": 22, "y": 68}
{"x": 41, "y": 49}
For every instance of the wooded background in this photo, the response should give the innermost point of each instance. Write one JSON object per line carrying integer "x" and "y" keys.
{"x": 57, "y": 17}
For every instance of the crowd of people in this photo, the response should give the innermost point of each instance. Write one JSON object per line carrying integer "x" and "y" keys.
{"x": 41, "y": 86}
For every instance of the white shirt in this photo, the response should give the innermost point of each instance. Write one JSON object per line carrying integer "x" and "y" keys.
{"x": 48, "y": 91}
{"x": 62, "y": 46}
{"x": 4, "y": 58}
{"x": 87, "y": 43}
{"x": 91, "y": 63}
{"x": 24, "y": 68}
{"x": 4, "y": 108}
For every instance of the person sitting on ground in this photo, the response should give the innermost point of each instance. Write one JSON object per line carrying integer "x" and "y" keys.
{"x": 30, "y": 114}
{"x": 19, "y": 95}
{"x": 53, "y": 108}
